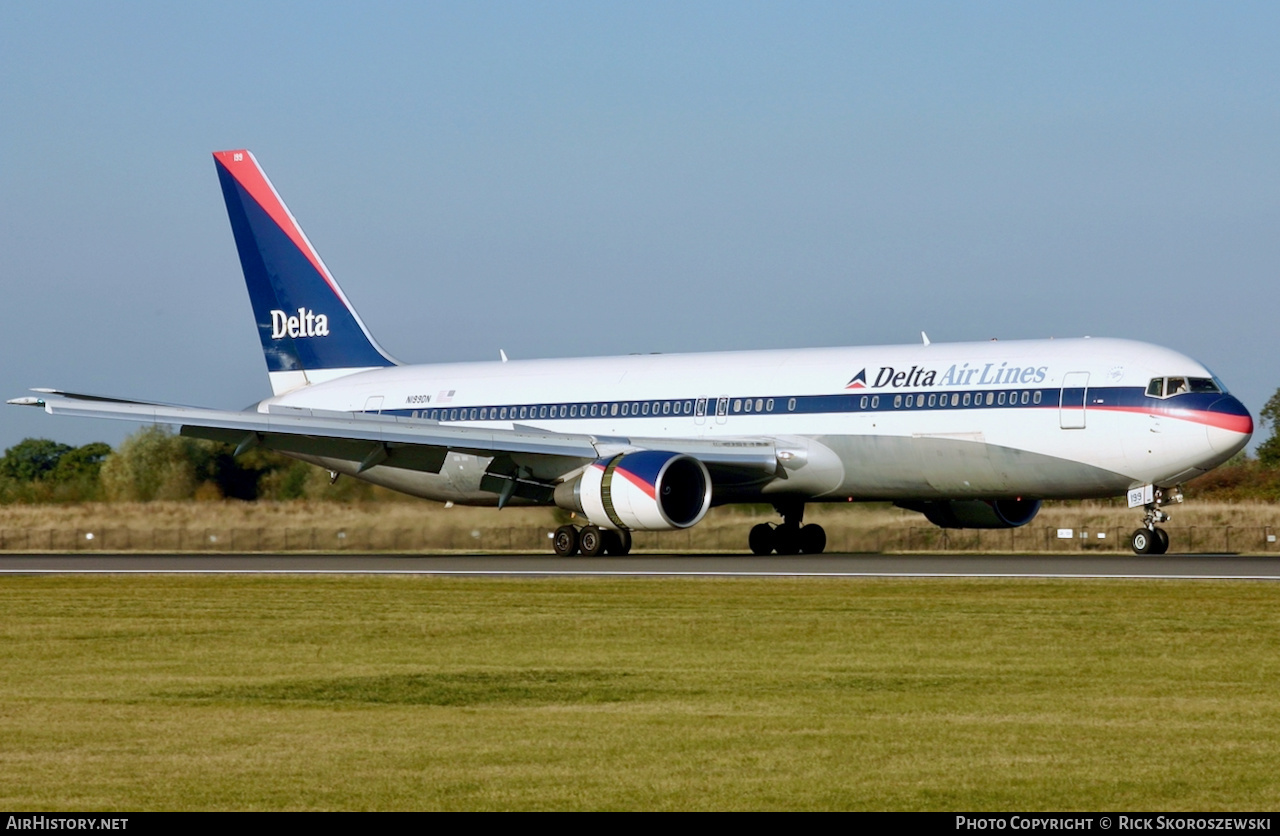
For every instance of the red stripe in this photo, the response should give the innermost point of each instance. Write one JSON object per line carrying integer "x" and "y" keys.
{"x": 249, "y": 174}
{"x": 1242, "y": 424}
{"x": 638, "y": 481}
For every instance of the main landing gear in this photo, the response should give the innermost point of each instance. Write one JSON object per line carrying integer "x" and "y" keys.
{"x": 1149, "y": 539}
{"x": 591, "y": 540}
{"x": 789, "y": 538}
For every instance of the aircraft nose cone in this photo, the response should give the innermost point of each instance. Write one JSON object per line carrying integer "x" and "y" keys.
{"x": 1229, "y": 427}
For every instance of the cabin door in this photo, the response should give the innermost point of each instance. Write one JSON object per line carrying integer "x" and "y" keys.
{"x": 1075, "y": 385}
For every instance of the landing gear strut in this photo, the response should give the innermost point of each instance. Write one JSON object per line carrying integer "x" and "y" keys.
{"x": 592, "y": 541}
{"x": 789, "y": 538}
{"x": 1149, "y": 539}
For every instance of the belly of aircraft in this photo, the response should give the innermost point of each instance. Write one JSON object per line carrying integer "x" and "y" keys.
{"x": 941, "y": 466}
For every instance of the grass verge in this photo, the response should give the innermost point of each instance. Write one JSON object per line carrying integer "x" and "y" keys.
{"x": 153, "y": 692}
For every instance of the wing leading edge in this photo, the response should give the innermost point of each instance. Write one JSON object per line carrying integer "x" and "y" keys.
{"x": 371, "y": 440}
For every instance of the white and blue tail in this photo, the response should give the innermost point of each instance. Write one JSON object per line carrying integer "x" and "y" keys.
{"x": 309, "y": 331}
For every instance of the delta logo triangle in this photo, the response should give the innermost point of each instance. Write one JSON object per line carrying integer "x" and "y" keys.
{"x": 859, "y": 381}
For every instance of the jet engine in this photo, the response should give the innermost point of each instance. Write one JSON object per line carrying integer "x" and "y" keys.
{"x": 649, "y": 490}
{"x": 977, "y": 513}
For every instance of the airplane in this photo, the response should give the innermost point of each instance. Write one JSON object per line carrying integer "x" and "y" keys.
{"x": 971, "y": 435}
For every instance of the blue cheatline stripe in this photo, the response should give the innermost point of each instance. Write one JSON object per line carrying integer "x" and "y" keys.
{"x": 1132, "y": 397}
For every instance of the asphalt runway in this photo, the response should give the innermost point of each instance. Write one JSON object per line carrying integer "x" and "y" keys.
{"x": 1206, "y": 567}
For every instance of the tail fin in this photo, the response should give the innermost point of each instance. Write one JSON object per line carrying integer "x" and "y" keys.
{"x": 309, "y": 330}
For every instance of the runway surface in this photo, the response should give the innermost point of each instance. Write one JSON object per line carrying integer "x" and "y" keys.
{"x": 835, "y": 565}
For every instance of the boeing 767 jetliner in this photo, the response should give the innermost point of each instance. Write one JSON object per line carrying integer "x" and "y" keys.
{"x": 972, "y": 435}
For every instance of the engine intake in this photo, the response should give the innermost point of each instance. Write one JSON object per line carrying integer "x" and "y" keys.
{"x": 650, "y": 490}
{"x": 977, "y": 513}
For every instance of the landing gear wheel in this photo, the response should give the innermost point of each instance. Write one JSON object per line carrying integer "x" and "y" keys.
{"x": 591, "y": 541}
{"x": 813, "y": 539}
{"x": 786, "y": 539}
{"x": 761, "y": 539}
{"x": 616, "y": 543}
{"x": 1162, "y": 541}
{"x": 1143, "y": 541}
{"x": 565, "y": 541}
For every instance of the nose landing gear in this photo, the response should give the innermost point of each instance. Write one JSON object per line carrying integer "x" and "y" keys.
{"x": 1149, "y": 539}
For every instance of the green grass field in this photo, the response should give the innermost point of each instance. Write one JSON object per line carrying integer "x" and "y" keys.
{"x": 161, "y": 692}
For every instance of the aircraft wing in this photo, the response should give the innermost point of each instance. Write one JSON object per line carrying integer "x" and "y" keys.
{"x": 540, "y": 457}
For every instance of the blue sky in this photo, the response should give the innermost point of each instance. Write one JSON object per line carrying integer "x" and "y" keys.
{"x": 565, "y": 179}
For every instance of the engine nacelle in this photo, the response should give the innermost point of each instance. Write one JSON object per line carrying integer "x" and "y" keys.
{"x": 977, "y": 513}
{"x": 649, "y": 490}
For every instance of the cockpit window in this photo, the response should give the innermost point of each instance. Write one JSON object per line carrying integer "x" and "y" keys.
{"x": 1168, "y": 387}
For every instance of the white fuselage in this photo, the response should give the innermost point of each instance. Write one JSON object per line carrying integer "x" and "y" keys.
{"x": 1043, "y": 418}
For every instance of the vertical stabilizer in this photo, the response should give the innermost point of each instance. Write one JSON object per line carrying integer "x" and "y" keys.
{"x": 309, "y": 331}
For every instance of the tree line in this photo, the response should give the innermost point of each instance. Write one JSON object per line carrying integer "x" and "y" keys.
{"x": 156, "y": 464}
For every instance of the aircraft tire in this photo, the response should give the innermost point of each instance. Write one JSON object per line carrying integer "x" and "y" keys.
{"x": 1161, "y": 544}
{"x": 786, "y": 539}
{"x": 565, "y": 541}
{"x": 591, "y": 541}
{"x": 1143, "y": 541}
{"x": 761, "y": 539}
{"x": 813, "y": 539}
{"x": 616, "y": 543}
